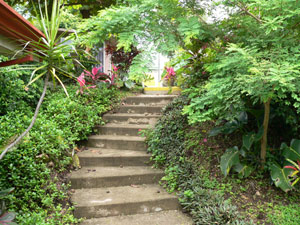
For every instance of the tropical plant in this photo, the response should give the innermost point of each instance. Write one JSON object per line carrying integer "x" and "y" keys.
{"x": 243, "y": 160}
{"x": 288, "y": 176}
{"x": 94, "y": 78}
{"x": 52, "y": 53}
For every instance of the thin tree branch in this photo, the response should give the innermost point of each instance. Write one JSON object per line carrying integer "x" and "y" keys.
{"x": 244, "y": 8}
{"x": 32, "y": 122}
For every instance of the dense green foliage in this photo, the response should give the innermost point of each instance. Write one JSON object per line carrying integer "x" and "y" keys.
{"x": 190, "y": 158}
{"x": 35, "y": 167}
{"x": 170, "y": 143}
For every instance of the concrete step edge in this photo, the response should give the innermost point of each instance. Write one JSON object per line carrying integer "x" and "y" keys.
{"x": 117, "y": 138}
{"x": 108, "y": 153}
{"x": 169, "y": 217}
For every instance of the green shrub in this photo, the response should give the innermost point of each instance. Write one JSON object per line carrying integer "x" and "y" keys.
{"x": 169, "y": 143}
{"x": 12, "y": 94}
{"x": 34, "y": 167}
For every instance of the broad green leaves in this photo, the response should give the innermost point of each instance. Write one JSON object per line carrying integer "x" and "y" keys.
{"x": 237, "y": 159}
{"x": 292, "y": 152}
{"x": 280, "y": 178}
{"x": 230, "y": 158}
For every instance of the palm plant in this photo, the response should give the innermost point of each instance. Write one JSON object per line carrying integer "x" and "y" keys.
{"x": 51, "y": 53}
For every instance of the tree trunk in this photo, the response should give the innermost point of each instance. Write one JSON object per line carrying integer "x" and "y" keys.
{"x": 10, "y": 146}
{"x": 264, "y": 141}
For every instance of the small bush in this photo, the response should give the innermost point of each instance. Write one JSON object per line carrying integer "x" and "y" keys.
{"x": 35, "y": 167}
{"x": 169, "y": 144}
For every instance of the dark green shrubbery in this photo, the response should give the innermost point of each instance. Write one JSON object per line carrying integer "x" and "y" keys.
{"x": 12, "y": 94}
{"x": 35, "y": 166}
{"x": 169, "y": 143}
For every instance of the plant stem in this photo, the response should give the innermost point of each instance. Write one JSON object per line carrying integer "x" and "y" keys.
{"x": 264, "y": 141}
{"x": 32, "y": 121}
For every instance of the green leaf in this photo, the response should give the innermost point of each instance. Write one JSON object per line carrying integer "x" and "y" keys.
{"x": 229, "y": 159}
{"x": 292, "y": 152}
{"x": 248, "y": 140}
{"x": 243, "y": 118}
{"x": 243, "y": 170}
{"x": 259, "y": 134}
{"x": 279, "y": 176}
{"x": 215, "y": 131}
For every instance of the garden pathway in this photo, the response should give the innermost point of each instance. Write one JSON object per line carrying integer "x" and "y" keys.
{"x": 116, "y": 184}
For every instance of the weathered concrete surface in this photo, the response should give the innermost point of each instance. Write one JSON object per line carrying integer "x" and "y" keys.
{"x": 117, "y": 142}
{"x": 126, "y": 200}
{"x": 122, "y": 129}
{"x": 94, "y": 177}
{"x": 172, "y": 217}
{"x": 128, "y": 118}
{"x": 140, "y": 109}
{"x": 149, "y": 99}
{"x": 161, "y": 90}
{"x": 113, "y": 157}
{"x": 116, "y": 179}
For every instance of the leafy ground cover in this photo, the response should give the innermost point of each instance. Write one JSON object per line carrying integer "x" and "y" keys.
{"x": 37, "y": 167}
{"x": 191, "y": 160}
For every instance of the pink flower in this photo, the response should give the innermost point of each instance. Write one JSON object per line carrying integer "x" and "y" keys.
{"x": 113, "y": 76}
{"x": 203, "y": 72}
{"x": 114, "y": 67}
{"x": 81, "y": 80}
{"x": 170, "y": 71}
{"x": 95, "y": 71}
{"x": 204, "y": 140}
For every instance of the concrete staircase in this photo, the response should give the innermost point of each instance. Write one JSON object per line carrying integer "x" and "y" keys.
{"x": 116, "y": 184}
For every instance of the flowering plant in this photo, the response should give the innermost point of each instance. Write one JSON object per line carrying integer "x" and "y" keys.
{"x": 92, "y": 79}
{"x": 295, "y": 173}
{"x": 170, "y": 73}
{"x": 170, "y": 76}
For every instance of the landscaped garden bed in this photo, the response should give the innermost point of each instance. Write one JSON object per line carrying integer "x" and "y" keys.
{"x": 191, "y": 159}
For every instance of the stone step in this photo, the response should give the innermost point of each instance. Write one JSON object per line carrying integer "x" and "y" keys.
{"x": 113, "y": 157}
{"x": 171, "y": 217}
{"x": 117, "y": 142}
{"x": 126, "y": 200}
{"x": 162, "y": 90}
{"x": 140, "y": 109}
{"x": 122, "y": 129}
{"x": 128, "y": 118}
{"x": 149, "y": 99}
{"x": 98, "y": 177}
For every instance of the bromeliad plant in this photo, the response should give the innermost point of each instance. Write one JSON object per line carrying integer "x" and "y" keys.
{"x": 93, "y": 79}
{"x": 170, "y": 76}
{"x": 287, "y": 177}
{"x": 295, "y": 175}
{"x": 53, "y": 55}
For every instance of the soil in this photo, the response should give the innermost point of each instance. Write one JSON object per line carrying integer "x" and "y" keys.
{"x": 254, "y": 196}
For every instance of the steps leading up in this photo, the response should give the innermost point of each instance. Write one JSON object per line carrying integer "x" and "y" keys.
{"x": 126, "y": 200}
{"x": 116, "y": 184}
{"x": 122, "y": 129}
{"x": 113, "y": 157}
{"x": 161, "y": 90}
{"x": 149, "y": 99}
{"x": 171, "y": 217}
{"x": 130, "y": 118}
{"x": 94, "y": 177}
{"x": 140, "y": 109}
{"x": 117, "y": 142}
